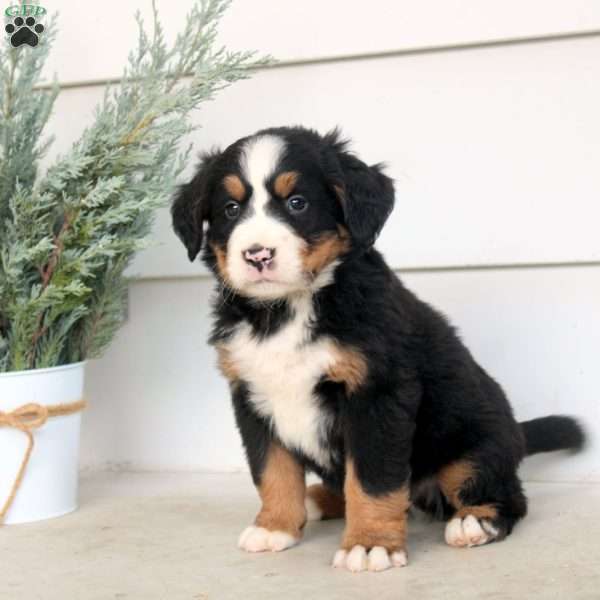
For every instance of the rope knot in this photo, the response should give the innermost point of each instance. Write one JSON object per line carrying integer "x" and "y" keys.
{"x": 25, "y": 418}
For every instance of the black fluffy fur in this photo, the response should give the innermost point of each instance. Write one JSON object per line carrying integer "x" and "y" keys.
{"x": 425, "y": 402}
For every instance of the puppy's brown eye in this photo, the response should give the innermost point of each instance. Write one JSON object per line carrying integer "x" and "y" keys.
{"x": 232, "y": 210}
{"x": 297, "y": 203}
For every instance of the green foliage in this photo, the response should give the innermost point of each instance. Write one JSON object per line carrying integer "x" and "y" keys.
{"x": 66, "y": 237}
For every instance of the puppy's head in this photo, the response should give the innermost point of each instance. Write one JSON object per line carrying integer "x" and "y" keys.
{"x": 279, "y": 210}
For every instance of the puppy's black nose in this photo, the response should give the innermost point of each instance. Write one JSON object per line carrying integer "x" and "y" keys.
{"x": 258, "y": 256}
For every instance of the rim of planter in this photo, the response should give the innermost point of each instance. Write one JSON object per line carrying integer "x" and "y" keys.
{"x": 44, "y": 370}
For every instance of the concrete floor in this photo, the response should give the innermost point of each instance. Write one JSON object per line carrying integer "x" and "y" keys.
{"x": 173, "y": 536}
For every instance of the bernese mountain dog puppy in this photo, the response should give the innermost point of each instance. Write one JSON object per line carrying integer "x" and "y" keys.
{"x": 336, "y": 368}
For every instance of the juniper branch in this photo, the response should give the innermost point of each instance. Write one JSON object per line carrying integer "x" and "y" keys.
{"x": 68, "y": 236}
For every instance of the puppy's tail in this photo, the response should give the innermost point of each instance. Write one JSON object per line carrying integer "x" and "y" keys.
{"x": 555, "y": 432}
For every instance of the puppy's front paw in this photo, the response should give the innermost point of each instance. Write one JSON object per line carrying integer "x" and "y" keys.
{"x": 259, "y": 539}
{"x": 358, "y": 558}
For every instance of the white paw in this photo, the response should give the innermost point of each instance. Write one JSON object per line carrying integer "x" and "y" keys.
{"x": 259, "y": 539}
{"x": 469, "y": 532}
{"x": 313, "y": 512}
{"x": 377, "y": 559}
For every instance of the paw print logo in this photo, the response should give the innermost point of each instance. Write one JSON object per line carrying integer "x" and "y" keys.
{"x": 24, "y": 31}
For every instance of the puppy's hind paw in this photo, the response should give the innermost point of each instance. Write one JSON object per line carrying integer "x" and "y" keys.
{"x": 470, "y": 532}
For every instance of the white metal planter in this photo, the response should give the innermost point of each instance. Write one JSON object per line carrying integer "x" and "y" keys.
{"x": 34, "y": 401}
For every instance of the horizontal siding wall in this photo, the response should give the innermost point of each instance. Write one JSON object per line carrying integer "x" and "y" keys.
{"x": 486, "y": 115}
{"x": 494, "y": 151}
{"x": 312, "y": 29}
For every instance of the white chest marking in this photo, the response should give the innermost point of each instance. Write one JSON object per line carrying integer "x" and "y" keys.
{"x": 281, "y": 371}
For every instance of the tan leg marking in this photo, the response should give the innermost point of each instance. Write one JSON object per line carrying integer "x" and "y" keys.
{"x": 452, "y": 478}
{"x": 282, "y": 490}
{"x": 279, "y": 523}
{"x": 482, "y": 511}
{"x": 470, "y": 525}
{"x": 375, "y": 534}
{"x": 374, "y": 520}
{"x": 322, "y": 503}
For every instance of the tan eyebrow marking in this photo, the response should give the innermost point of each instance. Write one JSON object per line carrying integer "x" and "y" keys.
{"x": 235, "y": 187}
{"x": 285, "y": 182}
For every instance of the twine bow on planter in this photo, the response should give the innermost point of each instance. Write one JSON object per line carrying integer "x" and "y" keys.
{"x": 27, "y": 418}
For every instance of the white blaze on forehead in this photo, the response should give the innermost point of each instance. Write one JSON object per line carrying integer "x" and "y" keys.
{"x": 260, "y": 158}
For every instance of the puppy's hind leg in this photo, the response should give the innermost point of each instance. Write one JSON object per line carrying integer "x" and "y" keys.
{"x": 322, "y": 503}
{"x": 487, "y": 501}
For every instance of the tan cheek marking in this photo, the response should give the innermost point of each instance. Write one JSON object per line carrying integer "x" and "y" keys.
{"x": 350, "y": 368}
{"x": 332, "y": 505}
{"x": 235, "y": 187}
{"x": 316, "y": 256}
{"x": 374, "y": 520}
{"x": 452, "y": 479}
{"x": 285, "y": 183}
{"x": 221, "y": 256}
{"x": 282, "y": 488}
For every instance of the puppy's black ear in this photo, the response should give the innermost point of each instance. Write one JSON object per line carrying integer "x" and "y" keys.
{"x": 190, "y": 208}
{"x": 366, "y": 195}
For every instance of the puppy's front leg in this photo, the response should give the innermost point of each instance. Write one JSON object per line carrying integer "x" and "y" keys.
{"x": 281, "y": 486}
{"x": 278, "y": 476}
{"x": 375, "y": 534}
{"x": 376, "y": 489}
